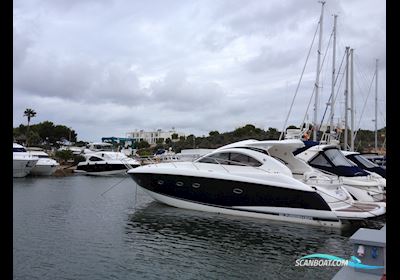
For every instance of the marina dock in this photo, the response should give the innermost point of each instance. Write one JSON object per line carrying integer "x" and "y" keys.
{"x": 369, "y": 245}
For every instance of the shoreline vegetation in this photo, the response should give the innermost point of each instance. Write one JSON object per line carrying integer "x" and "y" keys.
{"x": 51, "y": 137}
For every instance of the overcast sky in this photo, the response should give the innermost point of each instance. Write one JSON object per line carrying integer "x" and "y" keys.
{"x": 106, "y": 67}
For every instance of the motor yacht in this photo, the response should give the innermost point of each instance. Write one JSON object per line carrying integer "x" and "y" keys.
{"x": 364, "y": 163}
{"x": 106, "y": 163}
{"x": 75, "y": 150}
{"x": 363, "y": 186}
{"x": 330, "y": 187}
{"x": 45, "y": 166}
{"x": 98, "y": 147}
{"x": 23, "y": 162}
{"x": 377, "y": 159}
{"x": 244, "y": 180}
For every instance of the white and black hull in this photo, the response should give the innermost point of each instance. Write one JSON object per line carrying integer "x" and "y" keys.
{"x": 238, "y": 198}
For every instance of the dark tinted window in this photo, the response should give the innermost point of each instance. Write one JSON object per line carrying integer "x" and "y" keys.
{"x": 320, "y": 160}
{"x": 221, "y": 158}
{"x": 242, "y": 159}
{"x": 367, "y": 163}
{"x": 42, "y": 156}
{"x": 231, "y": 159}
{"x": 338, "y": 158}
{"x": 19, "y": 150}
{"x": 95, "y": 159}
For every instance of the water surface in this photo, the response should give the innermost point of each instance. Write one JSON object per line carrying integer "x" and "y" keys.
{"x": 82, "y": 227}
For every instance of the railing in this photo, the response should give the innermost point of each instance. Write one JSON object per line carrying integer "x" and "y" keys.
{"x": 220, "y": 161}
{"x": 127, "y": 165}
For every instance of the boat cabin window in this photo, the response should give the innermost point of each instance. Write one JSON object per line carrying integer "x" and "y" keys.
{"x": 95, "y": 159}
{"x": 367, "y": 163}
{"x": 242, "y": 159}
{"x": 231, "y": 159}
{"x": 320, "y": 160}
{"x": 220, "y": 158}
{"x": 42, "y": 156}
{"x": 337, "y": 158}
{"x": 18, "y": 150}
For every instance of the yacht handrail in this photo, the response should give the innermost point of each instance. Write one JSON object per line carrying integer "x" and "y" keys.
{"x": 237, "y": 163}
{"x": 124, "y": 162}
{"x": 154, "y": 161}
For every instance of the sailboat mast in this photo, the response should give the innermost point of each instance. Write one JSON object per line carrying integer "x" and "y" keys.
{"x": 376, "y": 107}
{"x": 333, "y": 75}
{"x": 318, "y": 67}
{"x": 346, "y": 100}
{"x": 352, "y": 100}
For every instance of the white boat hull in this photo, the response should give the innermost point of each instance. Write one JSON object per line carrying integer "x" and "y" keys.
{"x": 22, "y": 167}
{"x": 43, "y": 170}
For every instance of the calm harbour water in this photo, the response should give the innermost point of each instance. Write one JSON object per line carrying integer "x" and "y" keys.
{"x": 68, "y": 228}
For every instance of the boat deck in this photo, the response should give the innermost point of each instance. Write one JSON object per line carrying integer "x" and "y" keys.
{"x": 360, "y": 207}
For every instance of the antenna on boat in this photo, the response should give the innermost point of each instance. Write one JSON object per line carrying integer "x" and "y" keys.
{"x": 318, "y": 67}
{"x": 352, "y": 100}
{"x": 346, "y": 93}
{"x": 332, "y": 103}
{"x": 376, "y": 106}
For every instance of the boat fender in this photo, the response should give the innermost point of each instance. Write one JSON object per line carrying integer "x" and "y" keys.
{"x": 361, "y": 251}
{"x": 374, "y": 253}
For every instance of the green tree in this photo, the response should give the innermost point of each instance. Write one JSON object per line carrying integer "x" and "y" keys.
{"x": 34, "y": 138}
{"x": 273, "y": 133}
{"x": 213, "y": 133}
{"x": 64, "y": 155}
{"x": 29, "y": 113}
{"x": 174, "y": 136}
{"x": 46, "y": 131}
{"x": 143, "y": 144}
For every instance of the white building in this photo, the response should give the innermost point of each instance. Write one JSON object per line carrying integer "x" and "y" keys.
{"x": 152, "y": 137}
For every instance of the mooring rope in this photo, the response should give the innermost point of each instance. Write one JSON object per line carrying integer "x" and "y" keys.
{"x": 114, "y": 186}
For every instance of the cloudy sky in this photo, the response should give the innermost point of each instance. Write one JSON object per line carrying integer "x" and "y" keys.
{"x": 106, "y": 67}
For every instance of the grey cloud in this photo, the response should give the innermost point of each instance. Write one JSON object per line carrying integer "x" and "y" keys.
{"x": 78, "y": 79}
{"x": 274, "y": 59}
{"x": 217, "y": 39}
{"x": 113, "y": 66}
{"x": 176, "y": 92}
{"x": 21, "y": 44}
{"x": 50, "y": 76}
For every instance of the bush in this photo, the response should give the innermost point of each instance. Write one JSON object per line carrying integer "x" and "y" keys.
{"x": 78, "y": 159}
{"x": 64, "y": 155}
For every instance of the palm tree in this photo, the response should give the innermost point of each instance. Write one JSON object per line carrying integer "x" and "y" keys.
{"x": 29, "y": 113}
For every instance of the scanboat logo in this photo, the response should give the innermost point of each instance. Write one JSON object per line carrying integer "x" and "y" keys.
{"x": 330, "y": 260}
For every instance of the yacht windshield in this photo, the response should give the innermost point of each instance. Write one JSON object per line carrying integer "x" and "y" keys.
{"x": 18, "y": 150}
{"x": 367, "y": 163}
{"x": 337, "y": 158}
{"x": 231, "y": 159}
